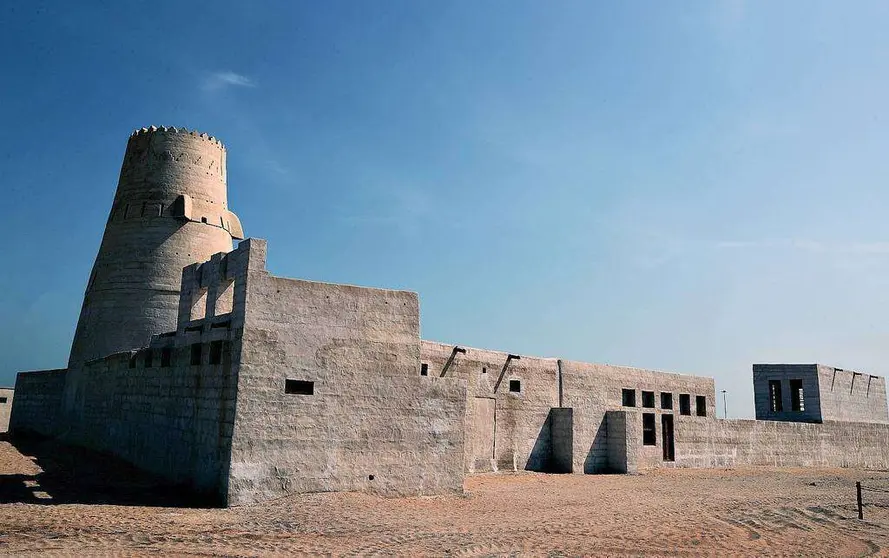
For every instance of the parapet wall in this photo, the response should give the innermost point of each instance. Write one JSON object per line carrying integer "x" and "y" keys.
{"x": 37, "y": 402}
{"x": 733, "y": 443}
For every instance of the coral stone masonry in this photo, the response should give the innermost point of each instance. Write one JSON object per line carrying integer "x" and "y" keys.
{"x": 192, "y": 361}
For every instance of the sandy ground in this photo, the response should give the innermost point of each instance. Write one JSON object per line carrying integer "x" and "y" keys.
{"x": 67, "y": 502}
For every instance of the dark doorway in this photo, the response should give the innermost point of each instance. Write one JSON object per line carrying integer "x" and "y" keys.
{"x": 667, "y": 437}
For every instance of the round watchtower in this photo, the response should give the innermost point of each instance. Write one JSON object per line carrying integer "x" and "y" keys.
{"x": 169, "y": 211}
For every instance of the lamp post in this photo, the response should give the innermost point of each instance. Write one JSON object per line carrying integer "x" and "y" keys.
{"x": 724, "y": 406}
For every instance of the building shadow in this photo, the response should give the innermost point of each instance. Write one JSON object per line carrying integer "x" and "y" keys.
{"x": 597, "y": 458}
{"x": 74, "y": 475}
{"x": 540, "y": 459}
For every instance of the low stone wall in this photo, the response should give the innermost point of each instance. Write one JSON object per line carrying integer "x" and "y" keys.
{"x": 732, "y": 443}
{"x": 38, "y": 397}
{"x": 174, "y": 421}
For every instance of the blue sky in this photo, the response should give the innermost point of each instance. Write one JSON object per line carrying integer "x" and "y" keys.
{"x": 685, "y": 186}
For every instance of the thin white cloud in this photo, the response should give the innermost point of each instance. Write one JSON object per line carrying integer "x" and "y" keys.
{"x": 812, "y": 246}
{"x": 220, "y": 80}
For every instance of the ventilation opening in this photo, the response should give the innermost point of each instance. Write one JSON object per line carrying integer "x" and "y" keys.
{"x": 648, "y": 399}
{"x": 797, "y": 403}
{"x": 484, "y": 370}
{"x": 370, "y": 477}
{"x": 149, "y": 358}
{"x": 667, "y": 401}
{"x": 196, "y": 354}
{"x": 684, "y": 404}
{"x": 515, "y": 386}
{"x": 203, "y": 219}
{"x": 424, "y": 369}
{"x": 166, "y": 357}
{"x": 3, "y": 400}
{"x": 299, "y": 387}
{"x": 649, "y": 435}
{"x": 629, "y": 397}
{"x": 216, "y": 352}
{"x": 775, "y": 396}
{"x": 701, "y": 405}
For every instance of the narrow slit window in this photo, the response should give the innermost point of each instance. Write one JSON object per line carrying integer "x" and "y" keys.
{"x": 166, "y": 357}
{"x": 515, "y": 386}
{"x": 133, "y": 361}
{"x": 216, "y": 352}
{"x": 649, "y": 434}
{"x": 424, "y": 369}
{"x": 299, "y": 387}
{"x": 196, "y": 349}
{"x": 775, "y": 396}
{"x": 666, "y": 401}
{"x": 684, "y": 404}
{"x": 648, "y": 399}
{"x": 797, "y": 402}
{"x": 628, "y": 397}
{"x": 701, "y": 405}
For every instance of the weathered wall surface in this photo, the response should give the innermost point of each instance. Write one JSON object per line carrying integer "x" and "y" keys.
{"x": 38, "y": 399}
{"x": 851, "y": 396}
{"x": 6, "y": 396}
{"x": 175, "y": 421}
{"x": 732, "y": 443}
{"x": 368, "y": 422}
{"x": 515, "y": 427}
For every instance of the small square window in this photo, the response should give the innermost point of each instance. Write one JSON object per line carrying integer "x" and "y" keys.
{"x": 299, "y": 387}
{"x": 666, "y": 401}
{"x": 515, "y": 386}
{"x": 196, "y": 354}
{"x": 701, "y": 405}
{"x": 149, "y": 358}
{"x": 166, "y": 357}
{"x": 628, "y": 397}
{"x": 649, "y": 434}
{"x": 648, "y": 399}
{"x": 216, "y": 352}
{"x": 424, "y": 369}
{"x": 684, "y": 404}
{"x": 3, "y": 400}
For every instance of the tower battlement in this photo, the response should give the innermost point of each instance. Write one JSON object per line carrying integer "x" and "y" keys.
{"x": 152, "y": 130}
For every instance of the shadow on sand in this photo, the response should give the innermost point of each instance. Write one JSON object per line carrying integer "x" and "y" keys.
{"x": 73, "y": 475}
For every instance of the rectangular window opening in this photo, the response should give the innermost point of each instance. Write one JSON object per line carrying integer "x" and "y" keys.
{"x": 667, "y": 401}
{"x": 424, "y": 369}
{"x": 797, "y": 402}
{"x": 701, "y": 405}
{"x": 628, "y": 397}
{"x": 3, "y": 400}
{"x": 648, "y": 399}
{"x": 649, "y": 435}
{"x": 775, "y": 396}
{"x": 684, "y": 404}
{"x": 199, "y": 305}
{"x": 166, "y": 357}
{"x": 196, "y": 349}
{"x": 515, "y": 386}
{"x": 133, "y": 361}
{"x": 225, "y": 297}
{"x": 216, "y": 352}
{"x": 299, "y": 387}
{"x": 149, "y": 358}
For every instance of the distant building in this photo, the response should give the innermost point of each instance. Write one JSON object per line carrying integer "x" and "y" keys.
{"x": 192, "y": 361}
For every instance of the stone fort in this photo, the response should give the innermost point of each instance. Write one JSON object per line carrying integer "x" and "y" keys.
{"x": 193, "y": 362}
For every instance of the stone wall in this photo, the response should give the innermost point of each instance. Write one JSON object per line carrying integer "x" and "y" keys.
{"x": 330, "y": 397}
{"x": 732, "y": 443}
{"x": 852, "y": 396}
{"x": 172, "y": 420}
{"x": 515, "y": 426}
{"x": 38, "y": 398}
{"x": 6, "y": 396}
